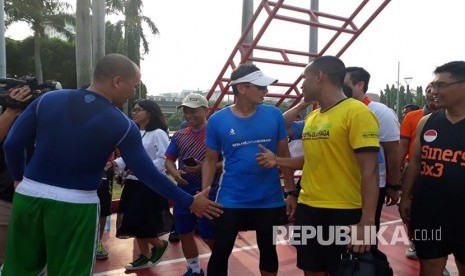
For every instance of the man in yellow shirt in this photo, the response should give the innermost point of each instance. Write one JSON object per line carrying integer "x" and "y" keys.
{"x": 340, "y": 167}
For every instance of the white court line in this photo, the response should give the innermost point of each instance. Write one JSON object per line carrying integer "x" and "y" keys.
{"x": 207, "y": 255}
{"x": 179, "y": 260}
{"x": 391, "y": 222}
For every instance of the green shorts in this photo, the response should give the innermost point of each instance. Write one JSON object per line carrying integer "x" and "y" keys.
{"x": 43, "y": 231}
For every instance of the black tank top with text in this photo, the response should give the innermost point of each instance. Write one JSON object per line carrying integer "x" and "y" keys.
{"x": 442, "y": 170}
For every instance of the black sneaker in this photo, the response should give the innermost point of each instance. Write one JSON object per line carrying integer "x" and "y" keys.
{"x": 158, "y": 252}
{"x": 173, "y": 237}
{"x": 139, "y": 263}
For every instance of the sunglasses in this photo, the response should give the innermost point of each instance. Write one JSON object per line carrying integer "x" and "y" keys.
{"x": 259, "y": 87}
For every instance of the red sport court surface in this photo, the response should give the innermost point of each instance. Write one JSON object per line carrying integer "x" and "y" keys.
{"x": 245, "y": 256}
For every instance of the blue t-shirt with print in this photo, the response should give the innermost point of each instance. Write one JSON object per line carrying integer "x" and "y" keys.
{"x": 244, "y": 183}
{"x": 297, "y": 128}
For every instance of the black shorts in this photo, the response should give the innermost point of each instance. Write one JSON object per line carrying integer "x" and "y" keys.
{"x": 437, "y": 227}
{"x": 250, "y": 219}
{"x": 316, "y": 257}
{"x": 104, "y": 193}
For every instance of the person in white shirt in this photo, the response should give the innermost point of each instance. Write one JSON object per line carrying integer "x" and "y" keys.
{"x": 143, "y": 213}
{"x": 357, "y": 79}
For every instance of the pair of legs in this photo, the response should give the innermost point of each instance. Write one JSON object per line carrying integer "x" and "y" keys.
{"x": 144, "y": 245}
{"x": 44, "y": 231}
{"x": 228, "y": 225}
{"x": 437, "y": 236}
{"x": 314, "y": 258}
{"x": 189, "y": 245}
{"x": 5, "y": 212}
{"x": 145, "y": 215}
{"x": 104, "y": 194}
{"x": 186, "y": 224}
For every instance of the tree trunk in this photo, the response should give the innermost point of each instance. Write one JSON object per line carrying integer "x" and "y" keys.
{"x": 2, "y": 41}
{"x": 83, "y": 43}
{"x": 98, "y": 27}
{"x": 37, "y": 59}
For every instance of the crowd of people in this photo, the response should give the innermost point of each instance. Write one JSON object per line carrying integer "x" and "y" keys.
{"x": 58, "y": 162}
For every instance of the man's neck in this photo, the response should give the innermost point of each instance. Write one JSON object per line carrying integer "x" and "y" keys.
{"x": 99, "y": 90}
{"x": 331, "y": 100}
{"x": 244, "y": 109}
{"x": 456, "y": 113}
{"x": 359, "y": 96}
{"x": 427, "y": 110}
{"x": 199, "y": 127}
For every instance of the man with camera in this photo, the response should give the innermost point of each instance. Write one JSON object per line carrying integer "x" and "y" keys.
{"x": 7, "y": 118}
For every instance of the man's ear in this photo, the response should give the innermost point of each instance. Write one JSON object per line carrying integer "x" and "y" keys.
{"x": 241, "y": 88}
{"x": 360, "y": 85}
{"x": 319, "y": 75}
{"x": 116, "y": 81}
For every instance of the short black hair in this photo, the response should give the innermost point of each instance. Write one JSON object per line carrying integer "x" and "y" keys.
{"x": 411, "y": 106}
{"x": 242, "y": 70}
{"x": 157, "y": 119}
{"x": 331, "y": 66}
{"x": 455, "y": 68}
{"x": 358, "y": 74}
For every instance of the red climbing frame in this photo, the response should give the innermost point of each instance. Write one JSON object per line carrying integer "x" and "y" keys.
{"x": 339, "y": 28}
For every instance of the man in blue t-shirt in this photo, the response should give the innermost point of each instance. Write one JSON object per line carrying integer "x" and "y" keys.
{"x": 251, "y": 195}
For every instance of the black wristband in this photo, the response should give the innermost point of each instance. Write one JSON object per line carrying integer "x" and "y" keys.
{"x": 294, "y": 193}
{"x": 395, "y": 187}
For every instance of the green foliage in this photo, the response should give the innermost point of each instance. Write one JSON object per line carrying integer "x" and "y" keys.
{"x": 19, "y": 57}
{"x": 283, "y": 107}
{"x": 127, "y": 36}
{"x": 40, "y": 15}
{"x": 175, "y": 120}
{"x": 58, "y": 60}
{"x": 134, "y": 36}
{"x": 389, "y": 97}
{"x": 114, "y": 40}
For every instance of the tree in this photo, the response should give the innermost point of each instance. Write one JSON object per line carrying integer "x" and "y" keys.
{"x": 419, "y": 98}
{"x": 134, "y": 36}
{"x": 41, "y": 16}
{"x": 98, "y": 30}
{"x": 174, "y": 121}
{"x": 389, "y": 97}
{"x": 114, "y": 38}
{"x": 83, "y": 43}
{"x": 58, "y": 60}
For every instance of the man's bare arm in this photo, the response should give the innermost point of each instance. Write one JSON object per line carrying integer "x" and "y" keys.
{"x": 411, "y": 176}
{"x": 290, "y": 114}
{"x": 368, "y": 164}
{"x": 209, "y": 167}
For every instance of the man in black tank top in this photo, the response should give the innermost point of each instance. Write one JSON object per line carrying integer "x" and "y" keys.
{"x": 433, "y": 200}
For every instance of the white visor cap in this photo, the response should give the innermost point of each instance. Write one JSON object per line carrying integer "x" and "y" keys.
{"x": 257, "y": 78}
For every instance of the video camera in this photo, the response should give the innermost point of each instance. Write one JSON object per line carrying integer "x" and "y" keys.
{"x": 37, "y": 89}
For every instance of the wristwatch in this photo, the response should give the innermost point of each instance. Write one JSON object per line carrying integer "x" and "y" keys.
{"x": 293, "y": 193}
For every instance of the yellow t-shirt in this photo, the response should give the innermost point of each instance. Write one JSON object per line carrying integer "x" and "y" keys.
{"x": 331, "y": 175}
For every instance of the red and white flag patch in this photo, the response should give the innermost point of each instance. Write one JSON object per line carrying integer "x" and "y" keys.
{"x": 430, "y": 135}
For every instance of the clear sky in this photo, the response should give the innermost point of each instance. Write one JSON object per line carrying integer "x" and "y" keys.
{"x": 196, "y": 37}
